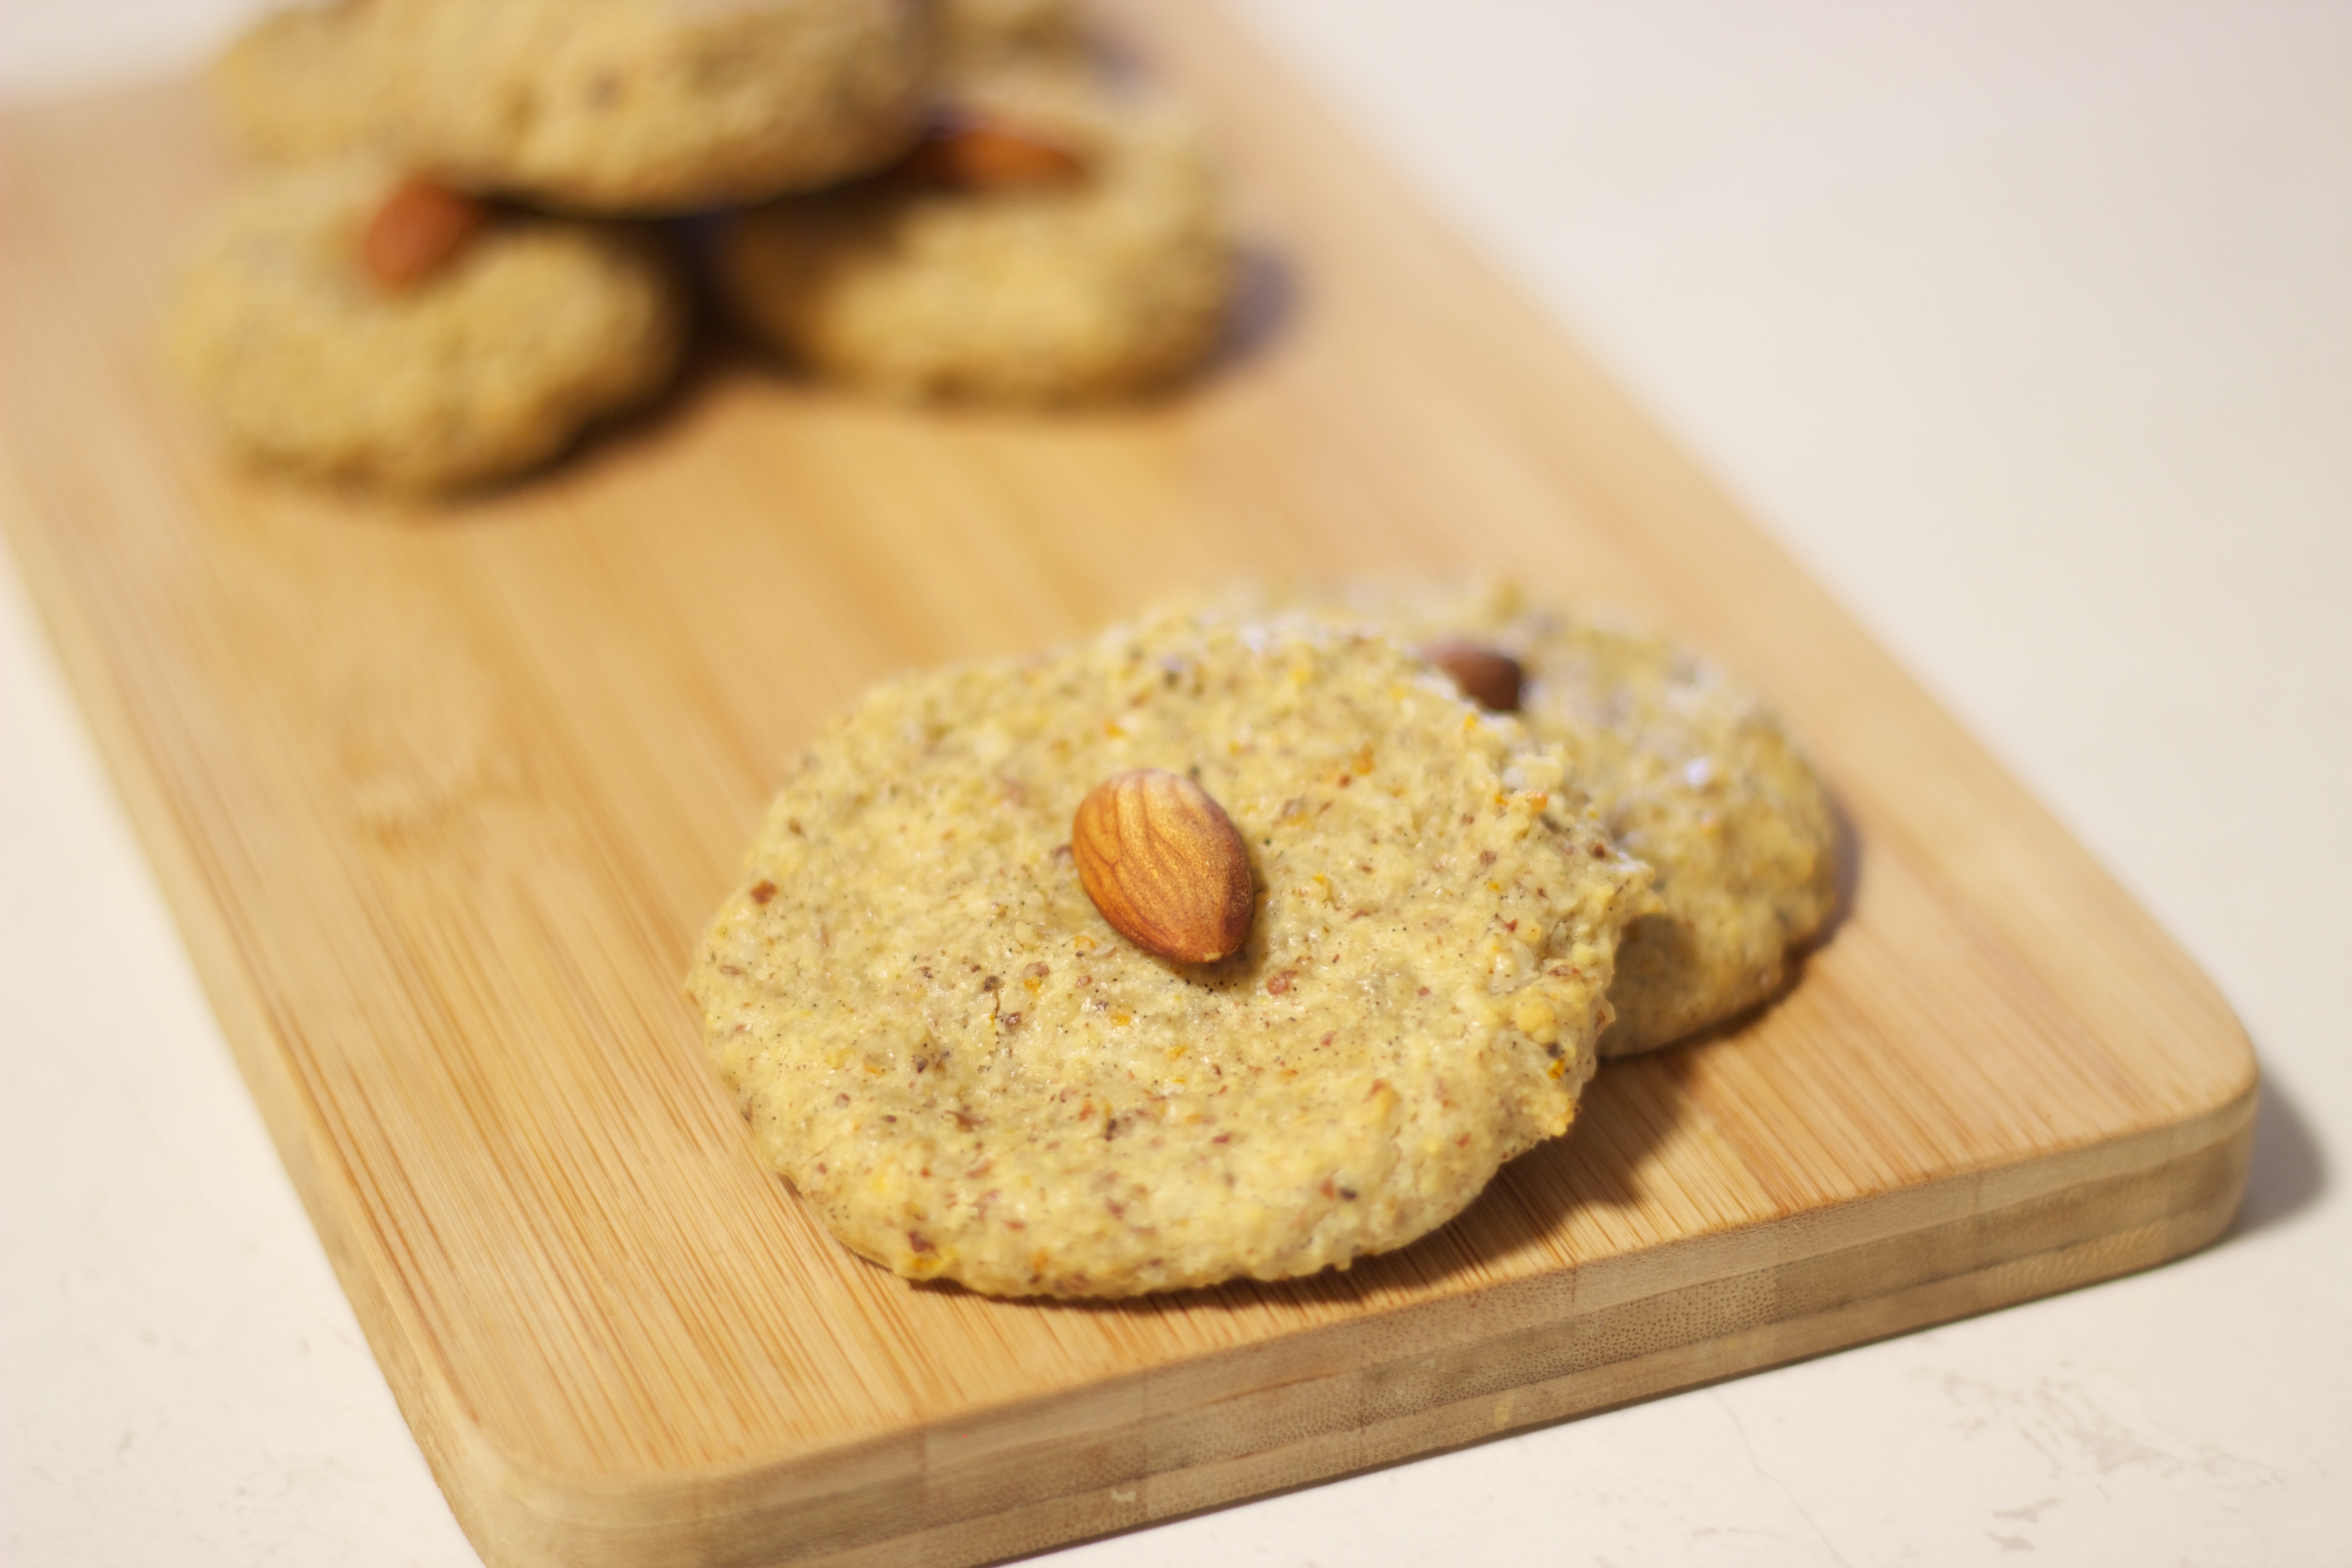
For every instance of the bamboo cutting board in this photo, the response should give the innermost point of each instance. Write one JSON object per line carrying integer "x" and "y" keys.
{"x": 443, "y": 799}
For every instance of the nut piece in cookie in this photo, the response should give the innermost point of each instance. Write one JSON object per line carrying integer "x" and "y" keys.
{"x": 421, "y": 227}
{"x": 1487, "y": 676}
{"x": 968, "y": 154}
{"x": 651, "y": 106}
{"x": 969, "y": 1075}
{"x": 1164, "y": 864}
{"x": 1097, "y": 263}
{"x": 498, "y": 341}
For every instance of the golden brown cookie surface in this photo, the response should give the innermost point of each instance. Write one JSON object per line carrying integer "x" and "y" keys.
{"x": 971, "y": 1074}
{"x": 1034, "y": 290}
{"x": 526, "y": 333}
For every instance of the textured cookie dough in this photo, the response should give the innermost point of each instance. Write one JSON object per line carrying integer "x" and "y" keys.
{"x": 1110, "y": 285}
{"x": 488, "y": 368}
{"x": 652, "y": 106}
{"x": 970, "y": 1076}
{"x": 1691, "y": 772}
{"x": 300, "y": 84}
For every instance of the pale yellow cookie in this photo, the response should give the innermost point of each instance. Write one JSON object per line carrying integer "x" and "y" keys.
{"x": 300, "y": 84}
{"x": 652, "y": 106}
{"x": 970, "y": 1075}
{"x": 1690, "y": 771}
{"x": 490, "y": 366}
{"x": 1098, "y": 285}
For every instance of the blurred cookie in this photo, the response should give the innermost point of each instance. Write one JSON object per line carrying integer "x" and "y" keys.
{"x": 1690, "y": 771}
{"x": 651, "y": 106}
{"x": 300, "y": 84}
{"x": 1045, "y": 246}
{"x": 978, "y": 37}
{"x": 344, "y": 323}
{"x": 971, "y": 1074}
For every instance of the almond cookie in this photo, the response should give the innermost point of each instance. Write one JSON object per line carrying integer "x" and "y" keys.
{"x": 1082, "y": 253}
{"x": 971, "y": 1074}
{"x": 300, "y": 84}
{"x": 651, "y": 106}
{"x": 1691, "y": 772}
{"x": 429, "y": 353}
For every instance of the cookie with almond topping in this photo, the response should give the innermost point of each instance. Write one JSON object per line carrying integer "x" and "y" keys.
{"x": 971, "y": 1073}
{"x": 1045, "y": 244}
{"x": 349, "y": 324}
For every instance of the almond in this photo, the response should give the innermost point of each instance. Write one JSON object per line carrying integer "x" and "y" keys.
{"x": 1165, "y": 865}
{"x": 975, "y": 155}
{"x": 418, "y": 230}
{"x": 1488, "y": 677}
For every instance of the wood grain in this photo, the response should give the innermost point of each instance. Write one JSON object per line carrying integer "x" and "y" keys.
{"x": 443, "y": 798}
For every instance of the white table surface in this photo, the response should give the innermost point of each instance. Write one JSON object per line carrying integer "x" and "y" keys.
{"x": 2028, "y": 327}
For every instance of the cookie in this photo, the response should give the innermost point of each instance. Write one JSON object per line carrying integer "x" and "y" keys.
{"x": 651, "y": 106}
{"x": 980, "y": 37}
{"x": 970, "y": 1075}
{"x": 300, "y": 84}
{"x": 1111, "y": 279}
{"x": 533, "y": 329}
{"x": 1690, "y": 771}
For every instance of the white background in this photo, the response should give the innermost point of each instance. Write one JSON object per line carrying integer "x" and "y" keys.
{"x": 2026, "y": 326}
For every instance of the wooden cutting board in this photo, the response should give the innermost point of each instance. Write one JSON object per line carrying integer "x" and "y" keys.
{"x": 443, "y": 798}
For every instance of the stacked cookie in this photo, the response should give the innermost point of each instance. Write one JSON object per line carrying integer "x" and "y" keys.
{"x": 1241, "y": 944}
{"x": 464, "y": 256}
{"x": 1687, "y": 770}
{"x": 1046, "y": 245}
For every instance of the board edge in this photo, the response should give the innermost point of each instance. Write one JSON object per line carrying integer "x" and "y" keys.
{"x": 1109, "y": 1447}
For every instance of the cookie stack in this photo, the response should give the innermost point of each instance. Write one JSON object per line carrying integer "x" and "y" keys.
{"x": 1244, "y": 942}
{"x": 464, "y": 254}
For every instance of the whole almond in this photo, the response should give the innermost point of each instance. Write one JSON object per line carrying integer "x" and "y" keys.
{"x": 1164, "y": 864}
{"x": 418, "y": 230}
{"x": 978, "y": 155}
{"x": 1488, "y": 677}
